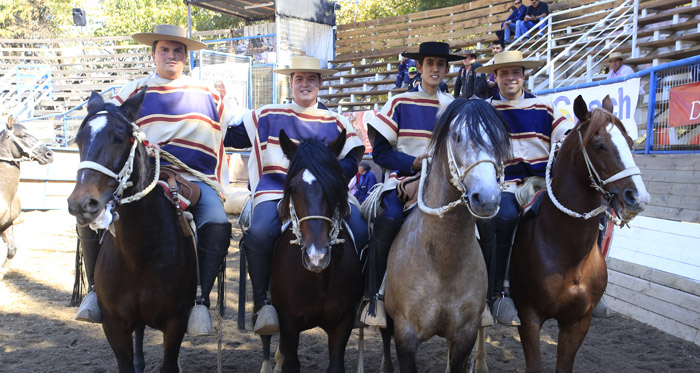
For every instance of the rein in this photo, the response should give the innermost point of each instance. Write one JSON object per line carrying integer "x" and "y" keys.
{"x": 456, "y": 177}
{"x": 296, "y": 225}
{"x": 27, "y": 152}
{"x": 596, "y": 182}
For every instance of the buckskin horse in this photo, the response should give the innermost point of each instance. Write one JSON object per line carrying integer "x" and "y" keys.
{"x": 145, "y": 273}
{"x": 16, "y": 145}
{"x": 436, "y": 276}
{"x": 316, "y": 275}
{"x": 558, "y": 270}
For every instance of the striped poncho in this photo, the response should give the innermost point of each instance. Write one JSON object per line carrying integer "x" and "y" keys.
{"x": 533, "y": 125}
{"x": 268, "y": 165}
{"x": 184, "y": 117}
{"x": 407, "y": 122}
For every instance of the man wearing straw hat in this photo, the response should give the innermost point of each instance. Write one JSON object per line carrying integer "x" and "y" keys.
{"x": 187, "y": 118}
{"x": 400, "y": 134}
{"x": 305, "y": 117}
{"x": 534, "y": 124}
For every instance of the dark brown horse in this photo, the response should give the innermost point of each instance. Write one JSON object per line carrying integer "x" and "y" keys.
{"x": 16, "y": 145}
{"x": 316, "y": 278}
{"x": 145, "y": 272}
{"x": 558, "y": 271}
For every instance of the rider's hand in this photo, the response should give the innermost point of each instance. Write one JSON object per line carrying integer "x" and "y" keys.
{"x": 418, "y": 162}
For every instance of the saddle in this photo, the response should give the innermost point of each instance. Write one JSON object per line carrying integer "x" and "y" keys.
{"x": 173, "y": 183}
{"x": 407, "y": 191}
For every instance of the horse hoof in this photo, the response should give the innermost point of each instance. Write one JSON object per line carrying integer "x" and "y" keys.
{"x": 267, "y": 322}
{"x": 199, "y": 323}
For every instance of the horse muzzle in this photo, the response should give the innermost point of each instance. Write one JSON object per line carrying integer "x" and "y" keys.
{"x": 632, "y": 203}
{"x": 43, "y": 155}
{"x": 84, "y": 207}
{"x": 316, "y": 258}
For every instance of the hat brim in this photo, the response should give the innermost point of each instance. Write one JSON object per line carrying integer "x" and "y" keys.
{"x": 418, "y": 56}
{"x": 290, "y": 71}
{"x": 148, "y": 38}
{"x": 490, "y": 69}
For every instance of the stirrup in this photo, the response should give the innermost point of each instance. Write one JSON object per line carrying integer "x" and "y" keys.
{"x": 602, "y": 309}
{"x": 505, "y": 313}
{"x": 267, "y": 322}
{"x": 89, "y": 310}
{"x": 486, "y": 318}
{"x": 199, "y": 322}
{"x": 379, "y": 318}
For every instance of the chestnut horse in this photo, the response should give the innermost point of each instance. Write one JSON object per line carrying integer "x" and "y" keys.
{"x": 146, "y": 270}
{"x": 316, "y": 275}
{"x": 16, "y": 145}
{"x": 436, "y": 276}
{"x": 558, "y": 270}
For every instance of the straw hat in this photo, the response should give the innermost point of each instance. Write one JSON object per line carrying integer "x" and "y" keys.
{"x": 169, "y": 33}
{"x": 306, "y": 64}
{"x": 433, "y": 49}
{"x": 614, "y": 55}
{"x": 508, "y": 59}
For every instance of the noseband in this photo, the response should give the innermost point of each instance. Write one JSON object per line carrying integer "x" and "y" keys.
{"x": 27, "y": 152}
{"x": 335, "y": 223}
{"x": 456, "y": 177}
{"x": 596, "y": 182}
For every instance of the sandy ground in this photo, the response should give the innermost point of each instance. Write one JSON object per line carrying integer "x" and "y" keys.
{"x": 38, "y": 333}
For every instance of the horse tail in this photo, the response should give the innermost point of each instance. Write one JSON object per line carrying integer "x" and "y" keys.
{"x": 371, "y": 207}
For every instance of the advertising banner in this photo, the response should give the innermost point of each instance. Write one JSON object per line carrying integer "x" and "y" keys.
{"x": 684, "y": 105}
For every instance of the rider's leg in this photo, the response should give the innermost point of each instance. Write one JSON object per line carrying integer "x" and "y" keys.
{"x": 90, "y": 247}
{"x": 259, "y": 243}
{"x": 505, "y": 223}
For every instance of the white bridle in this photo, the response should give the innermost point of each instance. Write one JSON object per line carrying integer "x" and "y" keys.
{"x": 336, "y": 225}
{"x": 27, "y": 152}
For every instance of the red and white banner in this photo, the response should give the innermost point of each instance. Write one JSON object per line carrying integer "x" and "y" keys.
{"x": 684, "y": 106}
{"x": 359, "y": 120}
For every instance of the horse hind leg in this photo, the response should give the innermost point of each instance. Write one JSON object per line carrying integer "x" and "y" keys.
{"x": 9, "y": 237}
{"x": 387, "y": 366}
{"x": 266, "y": 365}
{"x": 479, "y": 361}
{"x": 139, "y": 361}
{"x": 571, "y": 336}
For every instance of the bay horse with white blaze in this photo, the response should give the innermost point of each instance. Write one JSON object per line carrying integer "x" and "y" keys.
{"x": 146, "y": 270}
{"x": 558, "y": 270}
{"x": 16, "y": 145}
{"x": 316, "y": 275}
{"x": 436, "y": 276}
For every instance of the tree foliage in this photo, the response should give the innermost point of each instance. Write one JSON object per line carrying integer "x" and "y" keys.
{"x": 32, "y": 19}
{"x": 366, "y": 10}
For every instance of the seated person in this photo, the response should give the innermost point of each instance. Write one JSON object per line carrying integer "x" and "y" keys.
{"x": 535, "y": 13}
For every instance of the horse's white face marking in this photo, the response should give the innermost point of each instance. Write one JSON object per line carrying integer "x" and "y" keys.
{"x": 308, "y": 177}
{"x": 96, "y": 125}
{"x": 315, "y": 255}
{"x": 627, "y": 160}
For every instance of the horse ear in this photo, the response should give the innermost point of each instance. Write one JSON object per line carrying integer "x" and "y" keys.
{"x": 95, "y": 103}
{"x": 11, "y": 122}
{"x": 132, "y": 105}
{"x": 289, "y": 148}
{"x": 607, "y": 104}
{"x": 581, "y": 109}
{"x": 336, "y": 146}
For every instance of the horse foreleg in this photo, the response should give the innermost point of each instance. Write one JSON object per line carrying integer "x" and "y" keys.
{"x": 530, "y": 339}
{"x": 571, "y": 336}
{"x": 119, "y": 338}
{"x": 459, "y": 347}
{"x": 139, "y": 361}
{"x": 407, "y": 343}
{"x": 289, "y": 343}
{"x": 173, "y": 334}
{"x": 337, "y": 341}
{"x": 266, "y": 365}
{"x": 9, "y": 237}
{"x": 387, "y": 366}
{"x": 480, "y": 355}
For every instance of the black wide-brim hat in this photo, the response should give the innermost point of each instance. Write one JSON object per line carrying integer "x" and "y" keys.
{"x": 433, "y": 49}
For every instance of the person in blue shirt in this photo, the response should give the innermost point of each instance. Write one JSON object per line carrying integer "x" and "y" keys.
{"x": 402, "y": 75}
{"x": 366, "y": 181}
{"x": 535, "y": 13}
{"x": 518, "y": 14}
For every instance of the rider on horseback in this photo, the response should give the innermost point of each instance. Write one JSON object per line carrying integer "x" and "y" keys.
{"x": 534, "y": 124}
{"x": 400, "y": 134}
{"x": 305, "y": 117}
{"x": 201, "y": 120}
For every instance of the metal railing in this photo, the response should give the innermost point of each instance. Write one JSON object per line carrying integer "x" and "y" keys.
{"x": 27, "y": 86}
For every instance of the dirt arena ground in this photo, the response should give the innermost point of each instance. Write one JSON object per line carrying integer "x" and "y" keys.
{"x": 38, "y": 333}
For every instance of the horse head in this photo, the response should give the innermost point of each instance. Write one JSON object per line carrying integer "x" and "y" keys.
{"x": 315, "y": 197}
{"x": 21, "y": 145}
{"x": 108, "y": 143}
{"x": 471, "y": 141}
{"x": 607, "y": 152}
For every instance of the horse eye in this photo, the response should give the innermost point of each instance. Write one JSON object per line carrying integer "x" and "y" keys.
{"x": 457, "y": 137}
{"x": 117, "y": 139}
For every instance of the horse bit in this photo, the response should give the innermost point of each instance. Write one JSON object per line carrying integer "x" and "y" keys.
{"x": 596, "y": 182}
{"x": 296, "y": 225}
{"x": 457, "y": 176}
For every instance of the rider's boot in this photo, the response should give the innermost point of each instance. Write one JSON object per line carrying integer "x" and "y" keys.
{"x": 385, "y": 229}
{"x": 89, "y": 309}
{"x": 213, "y": 242}
{"x": 259, "y": 257}
{"x": 504, "y": 310}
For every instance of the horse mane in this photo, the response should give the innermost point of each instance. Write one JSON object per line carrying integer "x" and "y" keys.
{"x": 315, "y": 156}
{"x": 599, "y": 119}
{"x": 475, "y": 115}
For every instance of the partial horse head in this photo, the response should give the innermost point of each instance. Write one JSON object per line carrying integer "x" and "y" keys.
{"x": 604, "y": 140}
{"x": 105, "y": 140}
{"x": 315, "y": 196}
{"x": 18, "y": 143}
{"x": 471, "y": 139}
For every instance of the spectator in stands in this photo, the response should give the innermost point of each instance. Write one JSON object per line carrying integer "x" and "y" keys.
{"x": 468, "y": 78}
{"x": 241, "y": 47}
{"x": 402, "y": 75}
{"x": 496, "y": 48}
{"x": 617, "y": 69}
{"x": 535, "y": 13}
{"x": 366, "y": 182}
{"x": 413, "y": 77}
{"x": 518, "y": 14}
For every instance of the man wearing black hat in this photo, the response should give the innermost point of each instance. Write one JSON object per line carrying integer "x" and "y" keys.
{"x": 400, "y": 134}
{"x": 467, "y": 78}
